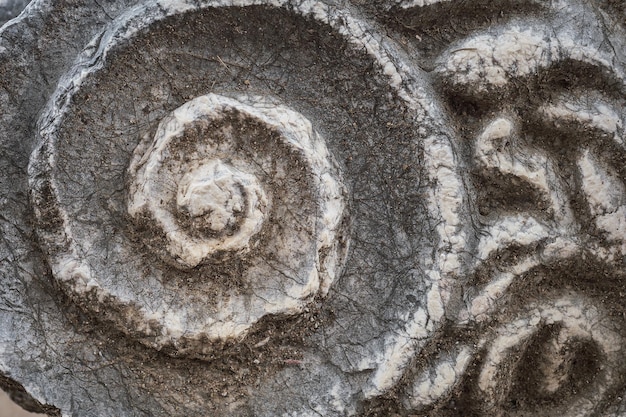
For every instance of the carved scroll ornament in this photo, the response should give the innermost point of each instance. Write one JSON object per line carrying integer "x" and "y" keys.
{"x": 303, "y": 208}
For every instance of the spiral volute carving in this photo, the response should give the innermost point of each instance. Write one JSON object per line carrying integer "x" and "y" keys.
{"x": 299, "y": 208}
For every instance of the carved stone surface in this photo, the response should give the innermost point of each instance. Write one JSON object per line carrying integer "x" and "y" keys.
{"x": 304, "y": 208}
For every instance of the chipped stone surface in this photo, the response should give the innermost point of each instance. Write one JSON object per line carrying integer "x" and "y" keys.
{"x": 304, "y": 208}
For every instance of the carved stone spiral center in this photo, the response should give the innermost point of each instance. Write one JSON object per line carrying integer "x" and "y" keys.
{"x": 219, "y": 199}
{"x": 189, "y": 185}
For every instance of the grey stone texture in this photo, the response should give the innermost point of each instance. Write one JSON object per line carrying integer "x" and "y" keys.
{"x": 10, "y": 9}
{"x": 314, "y": 208}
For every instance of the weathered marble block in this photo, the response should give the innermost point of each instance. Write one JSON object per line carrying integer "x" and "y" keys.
{"x": 313, "y": 207}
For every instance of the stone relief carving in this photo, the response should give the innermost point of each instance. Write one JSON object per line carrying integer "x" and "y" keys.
{"x": 241, "y": 207}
